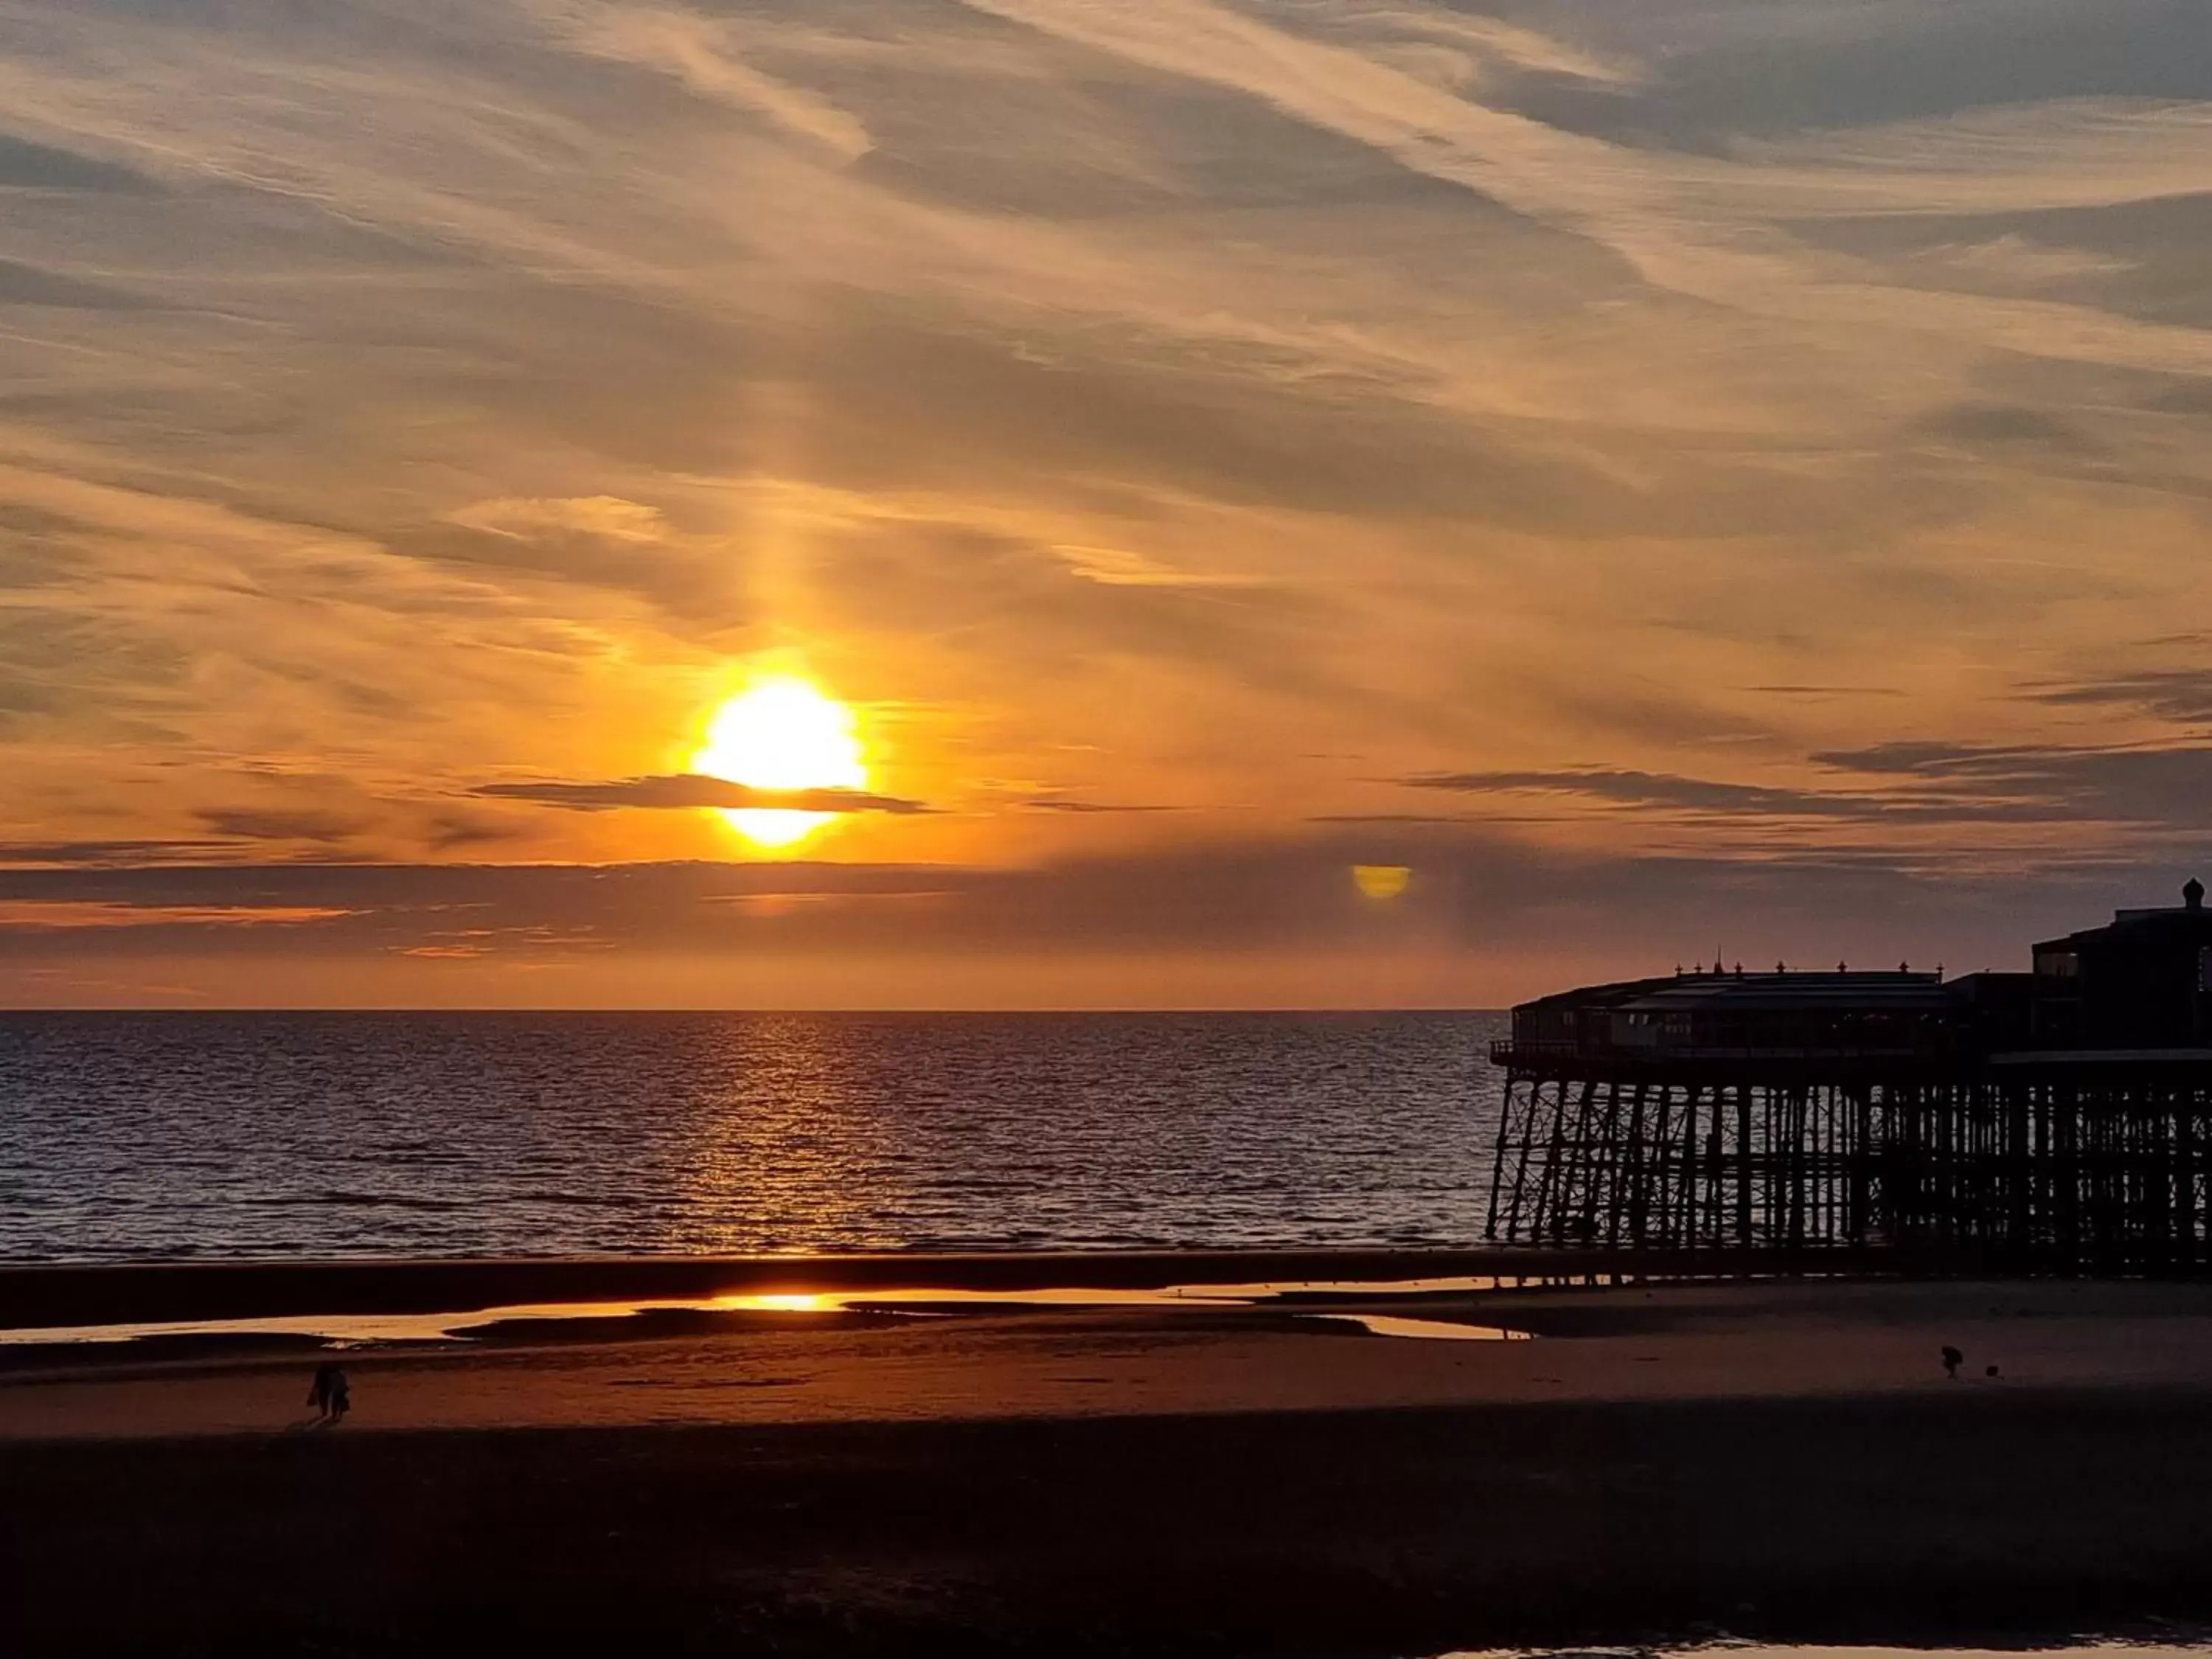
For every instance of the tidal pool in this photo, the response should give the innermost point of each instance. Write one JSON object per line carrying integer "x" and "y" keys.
{"x": 357, "y": 1330}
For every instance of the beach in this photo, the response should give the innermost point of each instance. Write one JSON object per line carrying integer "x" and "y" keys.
{"x": 1785, "y": 1458}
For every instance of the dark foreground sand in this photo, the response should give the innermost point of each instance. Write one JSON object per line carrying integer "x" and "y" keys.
{"x": 1781, "y": 1461}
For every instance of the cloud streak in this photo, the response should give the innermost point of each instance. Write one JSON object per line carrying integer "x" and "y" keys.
{"x": 689, "y": 792}
{"x": 698, "y": 52}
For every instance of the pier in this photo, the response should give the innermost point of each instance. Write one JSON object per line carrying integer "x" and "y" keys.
{"x": 2054, "y": 1120}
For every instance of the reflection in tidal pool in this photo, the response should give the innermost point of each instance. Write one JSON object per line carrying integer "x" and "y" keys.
{"x": 355, "y": 1329}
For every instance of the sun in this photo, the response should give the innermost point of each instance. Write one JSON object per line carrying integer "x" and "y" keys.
{"x": 782, "y": 732}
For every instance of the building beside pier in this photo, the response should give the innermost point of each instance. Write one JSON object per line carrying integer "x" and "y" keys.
{"x": 2060, "y": 1118}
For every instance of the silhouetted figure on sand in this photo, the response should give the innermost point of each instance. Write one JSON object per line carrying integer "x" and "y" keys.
{"x": 330, "y": 1394}
{"x": 1952, "y": 1360}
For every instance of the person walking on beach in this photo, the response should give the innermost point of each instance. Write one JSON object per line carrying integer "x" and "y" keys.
{"x": 1952, "y": 1360}
{"x": 330, "y": 1394}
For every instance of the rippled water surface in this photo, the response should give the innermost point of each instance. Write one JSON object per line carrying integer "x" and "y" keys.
{"x": 197, "y": 1135}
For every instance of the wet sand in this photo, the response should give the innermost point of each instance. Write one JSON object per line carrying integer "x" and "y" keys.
{"x": 1687, "y": 1342}
{"x": 1781, "y": 1459}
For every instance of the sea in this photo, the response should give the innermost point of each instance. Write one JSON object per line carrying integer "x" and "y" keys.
{"x": 201, "y": 1135}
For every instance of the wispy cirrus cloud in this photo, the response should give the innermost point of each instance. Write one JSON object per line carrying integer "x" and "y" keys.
{"x": 702, "y": 53}
{"x": 1698, "y": 226}
{"x": 1641, "y": 426}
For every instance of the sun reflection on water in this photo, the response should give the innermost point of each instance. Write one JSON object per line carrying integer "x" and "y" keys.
{"x": 779, "y": 1302}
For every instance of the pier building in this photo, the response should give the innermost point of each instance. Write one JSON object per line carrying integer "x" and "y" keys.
{"x": 2056, "y": 1119}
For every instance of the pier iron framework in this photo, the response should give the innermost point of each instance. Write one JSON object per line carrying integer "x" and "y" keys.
{"x": 2059, "y": 1121}
{"x": 2089, "y": 1165}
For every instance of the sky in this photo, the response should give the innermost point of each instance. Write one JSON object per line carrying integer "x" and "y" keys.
{"x": 1310, "y": 502}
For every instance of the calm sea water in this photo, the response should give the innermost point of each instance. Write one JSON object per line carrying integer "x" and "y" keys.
{"x": 205, "y": 1135}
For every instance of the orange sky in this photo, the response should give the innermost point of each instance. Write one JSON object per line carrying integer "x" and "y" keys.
{"x": 1707, "y": 475}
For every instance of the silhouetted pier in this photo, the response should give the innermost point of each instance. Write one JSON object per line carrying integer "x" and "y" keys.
{"x": 2056, "y": 1121}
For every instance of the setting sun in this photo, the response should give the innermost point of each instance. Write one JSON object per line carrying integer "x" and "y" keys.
{"x": 782, "y": 732}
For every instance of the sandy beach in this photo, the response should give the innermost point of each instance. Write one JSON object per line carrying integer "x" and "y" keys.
{"x": 1782, "y": 1459}
{"x": 946, "y": 1362}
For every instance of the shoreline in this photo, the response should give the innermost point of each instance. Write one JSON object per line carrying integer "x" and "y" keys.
{"x": 949, "y": 1355}
{"x": 120, "y": 1293}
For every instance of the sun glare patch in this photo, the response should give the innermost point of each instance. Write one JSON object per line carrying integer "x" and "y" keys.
{"x": 1381, "y": 881}
{"x": 782, "y": 732}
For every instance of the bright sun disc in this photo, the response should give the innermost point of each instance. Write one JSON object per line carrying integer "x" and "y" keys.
{"x": 782, "y": 734}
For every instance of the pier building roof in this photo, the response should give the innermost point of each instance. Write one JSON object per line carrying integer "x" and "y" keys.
{"x": 1743, "y": 1015}
{"x": 2142, "y": 984}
